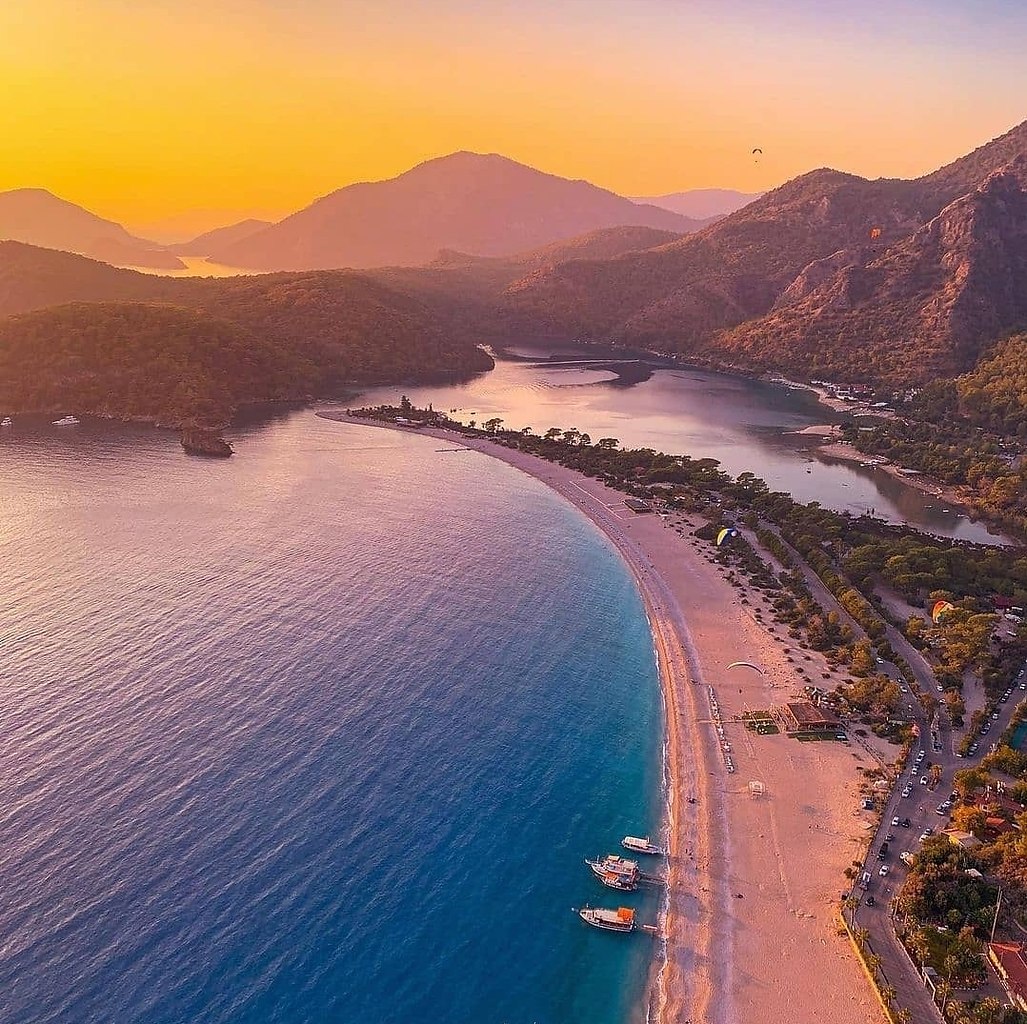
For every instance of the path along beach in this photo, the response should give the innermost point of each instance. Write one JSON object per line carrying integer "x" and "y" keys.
{"x": 752, "y": 932}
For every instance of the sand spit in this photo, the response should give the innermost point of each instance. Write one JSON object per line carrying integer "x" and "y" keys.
{"x": 752, "y": 929}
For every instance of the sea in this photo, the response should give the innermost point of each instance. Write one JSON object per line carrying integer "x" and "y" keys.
{"x": 320, "y": 733}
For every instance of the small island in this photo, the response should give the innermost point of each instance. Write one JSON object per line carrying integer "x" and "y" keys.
{"x": 209, "y": 443}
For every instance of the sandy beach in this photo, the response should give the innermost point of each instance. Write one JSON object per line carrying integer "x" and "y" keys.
{"x": 752, "y": 930}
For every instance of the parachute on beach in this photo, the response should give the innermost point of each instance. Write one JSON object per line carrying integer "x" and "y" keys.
{"x": 725, "y": 534}
{"x": 875, "y": 232}
{"x": 747, "y": 664}
{"x": 939, "y": 609}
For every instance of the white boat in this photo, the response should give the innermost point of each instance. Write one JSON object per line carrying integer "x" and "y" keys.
{"x": 620, "y": 920}
{"x": 66, "y": 421}
{"x": 6, "y": 422}
{"x": 616, "y": 872}
{"x": 636, "y": 845}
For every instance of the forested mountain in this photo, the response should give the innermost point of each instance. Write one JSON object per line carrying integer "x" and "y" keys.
{"x": 994, "y": 394}
{"x": 139, "y": 361}
{"x": 832, "y": 272}
{"x": 38, "y": 217}
{"x": 311, "y": 334}
{"x": 484, "y": 205}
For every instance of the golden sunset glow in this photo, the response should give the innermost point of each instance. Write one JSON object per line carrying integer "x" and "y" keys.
{"x": 147, "y": 111}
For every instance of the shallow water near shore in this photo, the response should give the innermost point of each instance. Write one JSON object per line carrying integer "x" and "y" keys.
{"x": 322, "y": 732}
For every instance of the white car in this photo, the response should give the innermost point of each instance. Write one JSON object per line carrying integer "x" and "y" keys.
{"x": 905, "y": 792}
{"x": 923, "y": 780}
{"x": 895, "y": 822}
{"x": 883, "y": 871}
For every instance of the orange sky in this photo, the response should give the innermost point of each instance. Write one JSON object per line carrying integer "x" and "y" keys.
{"x": 153, "y": 111}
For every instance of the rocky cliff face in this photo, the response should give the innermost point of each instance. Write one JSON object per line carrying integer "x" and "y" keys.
{"x": 831, "y": 272}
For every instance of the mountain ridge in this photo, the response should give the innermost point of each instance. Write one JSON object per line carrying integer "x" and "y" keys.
{"x": 38, "y": 217}
{"x": 480, "y": 204}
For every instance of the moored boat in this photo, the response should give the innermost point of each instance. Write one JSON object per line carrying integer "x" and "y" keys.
{"x": 615, "y": 872}
{"x": 6, "y": 422}
{"x": 620, "y": 920}
{"x": 66, "y": 421}
{"x": 637, "y": 845}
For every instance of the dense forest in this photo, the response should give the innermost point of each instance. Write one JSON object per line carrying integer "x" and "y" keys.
{"x": 132, "y": 360}
{"x": 310, "y": 334}
{"x": 968, "y": 432}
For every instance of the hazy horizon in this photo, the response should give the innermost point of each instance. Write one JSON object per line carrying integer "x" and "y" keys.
{"x": 176, "y": 121}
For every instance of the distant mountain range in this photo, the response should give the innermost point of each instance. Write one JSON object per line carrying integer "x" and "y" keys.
{"x": 703, "y": 204}
{"x": 829, "y": 274}
{"x": 483, "y": 205}
{"x": 38, "y": 217}
{"x": 211, "y": 241}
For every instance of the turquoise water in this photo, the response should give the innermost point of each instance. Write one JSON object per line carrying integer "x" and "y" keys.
{"x": 318, "y": 734}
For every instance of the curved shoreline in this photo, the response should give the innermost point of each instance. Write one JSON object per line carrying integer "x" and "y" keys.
{"x": 727, "y": 959}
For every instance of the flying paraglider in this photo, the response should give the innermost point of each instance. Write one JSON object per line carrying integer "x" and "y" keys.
{"x": 757, "y": 153}
{"x": 939, "y": 609}
{"x": 725, "y": 534}
{"x": 747, "y": 664}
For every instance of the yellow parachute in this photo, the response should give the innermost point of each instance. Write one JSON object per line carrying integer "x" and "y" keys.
{"x": 728, "y": 531}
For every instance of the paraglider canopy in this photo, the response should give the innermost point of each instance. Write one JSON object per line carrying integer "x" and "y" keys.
{"x": 875, "y": 232}
{"x": 939, "y": 609}
{"x": 728, "y": 531}
{"x": 757, "y": 150}
{"x": 747, "y": 664}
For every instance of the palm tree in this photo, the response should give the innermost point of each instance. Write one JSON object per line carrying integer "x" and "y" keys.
{"x": 904, "y": 1016}
{"x": 862, "y": 934}
{"x": 888, "y": 994}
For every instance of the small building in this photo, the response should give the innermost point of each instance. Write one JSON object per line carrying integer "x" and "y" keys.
{"x": 638, "y": 505}
{"x": 964, "y": 840}
{"x": 805, "y": 717}
{"x": 1011, "y": 965}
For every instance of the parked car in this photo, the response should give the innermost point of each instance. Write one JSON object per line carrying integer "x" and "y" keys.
{"x": 870, "y": 901}
{"x": 923, "y": 780}
{"x": 884, "y": 870}
{"x": 895, "y": 822}
{"x": 905, "y": 823}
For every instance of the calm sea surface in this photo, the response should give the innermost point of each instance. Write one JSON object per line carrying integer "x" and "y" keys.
{"x": 318, "y": 734}
{"x": 745, "y": 424}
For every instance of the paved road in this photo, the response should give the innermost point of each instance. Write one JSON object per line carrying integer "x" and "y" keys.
{"x": 921, "y": 807}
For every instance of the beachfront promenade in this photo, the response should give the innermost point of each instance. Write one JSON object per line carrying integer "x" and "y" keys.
{"x": 752, "y": 932}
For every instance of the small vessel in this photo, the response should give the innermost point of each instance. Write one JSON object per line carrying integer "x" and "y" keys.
{"x": 620, "y": 920}
{"x": 66, "y": 421}
{"x": 6, "y": 422}
{"x": 636, "y": 845}
{"x": 616, "y": 872}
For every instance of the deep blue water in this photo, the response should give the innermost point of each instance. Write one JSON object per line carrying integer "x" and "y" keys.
{"x": 318, "y": 734}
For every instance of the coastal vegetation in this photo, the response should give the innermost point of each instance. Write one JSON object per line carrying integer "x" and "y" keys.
{"x": 856, "y": 559}
{"x": 969, "y": 432}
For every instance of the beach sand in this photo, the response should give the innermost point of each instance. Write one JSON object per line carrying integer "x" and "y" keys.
{"x": 752, "y": 930}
